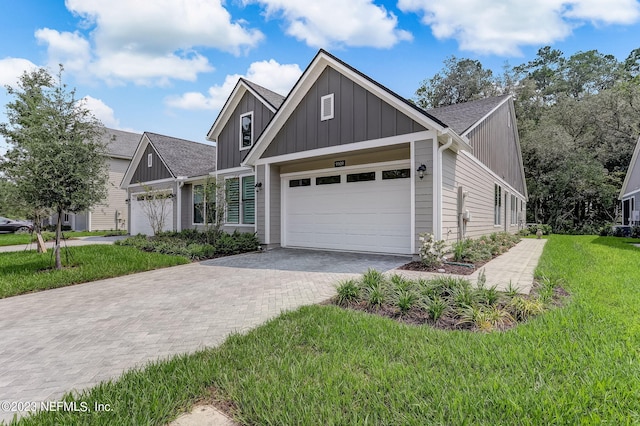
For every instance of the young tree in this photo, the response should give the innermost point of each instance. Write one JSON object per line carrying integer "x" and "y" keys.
{"x": 56, "y": 159}
{"x": 156, "y": 206}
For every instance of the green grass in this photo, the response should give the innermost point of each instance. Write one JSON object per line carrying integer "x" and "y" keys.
{"x": 324, "y": 365}
{"x": 20, "y": 239}
{"x": 26, "y": 271}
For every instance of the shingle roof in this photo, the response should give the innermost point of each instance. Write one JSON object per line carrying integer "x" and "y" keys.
{"x": 270, "y": 96}
{"x": 183, "y": 157}
{"x": 460, "y": 117}
{"x": 120, "y": 143}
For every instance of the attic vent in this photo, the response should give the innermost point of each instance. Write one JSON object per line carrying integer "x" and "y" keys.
{"x": 326, "y": 107}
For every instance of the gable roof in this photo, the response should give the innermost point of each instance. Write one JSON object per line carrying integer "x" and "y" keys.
{"x": 632, "y": 165}
{"x": 120, "y": 144}
{"x": 462, "y": 117}
{"x": 183, "y": 157}
{"x": 269, "y": 98}
{"x": 267, "y": 95}
{"x": 310, "y": 75}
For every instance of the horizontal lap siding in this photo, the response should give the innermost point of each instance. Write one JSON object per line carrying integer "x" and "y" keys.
{"x": 458, "y": 171}
{"x": 634, "y": 179}
{"x": 103, "y": 217}
{"x": 359, "y": 116}
{"x": 424, "y": 189}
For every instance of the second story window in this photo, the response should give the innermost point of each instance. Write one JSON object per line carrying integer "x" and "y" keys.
{"x": 246, "y": 130}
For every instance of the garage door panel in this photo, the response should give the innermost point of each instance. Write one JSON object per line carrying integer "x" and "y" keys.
{"x": 360, "y": 216}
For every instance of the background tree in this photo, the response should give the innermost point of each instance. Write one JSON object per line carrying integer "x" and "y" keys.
{"x": 461, "y": 80}
{"x": 578, "y": 119}
{"x": 56, "y": 159}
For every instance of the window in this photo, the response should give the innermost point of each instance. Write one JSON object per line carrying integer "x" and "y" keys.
{"x": 361, "y": 177}
{"x": 514, "y": 210}
{"x": 149, "y": 160}
{"x": 204, "y": 204}
{"x": 326, "y": 107}
{"x": 294, "y": 183}
{"x": 327, "y": 180}
{"x": 249, "y": 199}
{"x": 396, "y": 174}
{"x": 246, "y": 130}
{"x": 65, "y": 218}
{"x": 497, "y": 204}
{"x": 241, "y": 201}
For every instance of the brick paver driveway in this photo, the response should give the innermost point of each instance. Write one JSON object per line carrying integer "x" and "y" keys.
{"x": 74, "y": 337}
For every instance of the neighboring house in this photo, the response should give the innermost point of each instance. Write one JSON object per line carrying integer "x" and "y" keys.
{"x": 630, "y": 192}
{"x": 113, "y": 213}
{"x": 344, "y": 163}
{"x": 173, "y": 168}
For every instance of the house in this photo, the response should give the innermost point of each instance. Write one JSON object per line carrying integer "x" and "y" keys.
{"x": 113, "y": 213}
{"x": 343, "y": 163}
{"x": 174, "y": 169}
{"x": 630, "y": 191}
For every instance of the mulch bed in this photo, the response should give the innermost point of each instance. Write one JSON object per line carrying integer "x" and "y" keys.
{"x": 445, "y": 268}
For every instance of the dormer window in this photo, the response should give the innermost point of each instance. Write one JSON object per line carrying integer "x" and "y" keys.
{"x": 246, "y": 130}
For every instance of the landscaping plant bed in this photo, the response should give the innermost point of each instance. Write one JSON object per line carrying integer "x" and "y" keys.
{"x": 447, "y": 303}
{"x": 445, "y": 268}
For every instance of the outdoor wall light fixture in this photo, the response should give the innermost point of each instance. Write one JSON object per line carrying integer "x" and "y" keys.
{"x": 258, "y": 186}
{"x": 421, "y": 170}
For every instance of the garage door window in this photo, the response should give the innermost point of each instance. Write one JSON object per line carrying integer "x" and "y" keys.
{"x": 294, "y": 183}
{"x": 327, "y": 180}
{"x": 361, "y": 177}
{"x": 396, "y": 174}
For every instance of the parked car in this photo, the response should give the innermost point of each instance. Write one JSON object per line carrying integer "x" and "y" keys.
{"x": 9, "y": 225}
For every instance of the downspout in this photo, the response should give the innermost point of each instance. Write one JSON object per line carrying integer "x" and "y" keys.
{"x": 437, "y": 232}
{"x": 180, "y": 180}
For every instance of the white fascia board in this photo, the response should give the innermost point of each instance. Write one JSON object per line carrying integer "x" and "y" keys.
{"x": 632, "y": 164}
{"x": 312, "y": 73}
{"x": 150, "y": 183}
{"x": 133, "y": 165}
{"x": 356, "y": 146}
{"x": 227, "y": 110}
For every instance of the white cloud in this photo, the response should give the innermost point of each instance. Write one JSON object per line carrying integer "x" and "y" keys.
{"x": 101, "y": 111}
{"x": 12, "y": 68}
{"x": 503, "y": 27}
{"x": 147, "y": 41}
{"x": 276, "y": 77}
{"x": 337, "y": 22}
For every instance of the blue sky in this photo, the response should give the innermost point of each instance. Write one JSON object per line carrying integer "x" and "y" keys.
{"x": 167, "y": 66}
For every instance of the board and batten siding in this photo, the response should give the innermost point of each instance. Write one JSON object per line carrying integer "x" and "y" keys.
{"x": 359, "y": 115}
{"x": 423, "y": 190}
{"x": 494, "y": 144}
{"x": 461, "y": 170}
{"x": 144, "y": 173}
{"x": 228, "y": 142}
{"x": 103, "y": 216}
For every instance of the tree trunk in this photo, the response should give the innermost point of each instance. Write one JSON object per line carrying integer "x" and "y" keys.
{"x": 56, "y": 249}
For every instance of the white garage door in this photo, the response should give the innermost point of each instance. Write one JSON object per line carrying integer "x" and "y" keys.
{"x": 140, "y": 223}
{"x": 363, "y": 210}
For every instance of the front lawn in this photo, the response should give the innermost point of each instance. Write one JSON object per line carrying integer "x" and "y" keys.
{"x": 324, "y": 365}
{"x": 26, "y": 271}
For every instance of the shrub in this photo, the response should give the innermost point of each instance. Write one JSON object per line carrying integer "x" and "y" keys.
{"x": 635, "y": 231}
{"x": 348, "y": 292}
{"x": 546, "y": 229}
{"x": 431, "y": 251}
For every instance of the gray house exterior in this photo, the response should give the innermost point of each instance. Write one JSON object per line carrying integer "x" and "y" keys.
{"x": 630, "y": 191}
{"x": 344, "y": 163}
{"x": 113, "y": 213}
{"x": 173, "y": 168}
